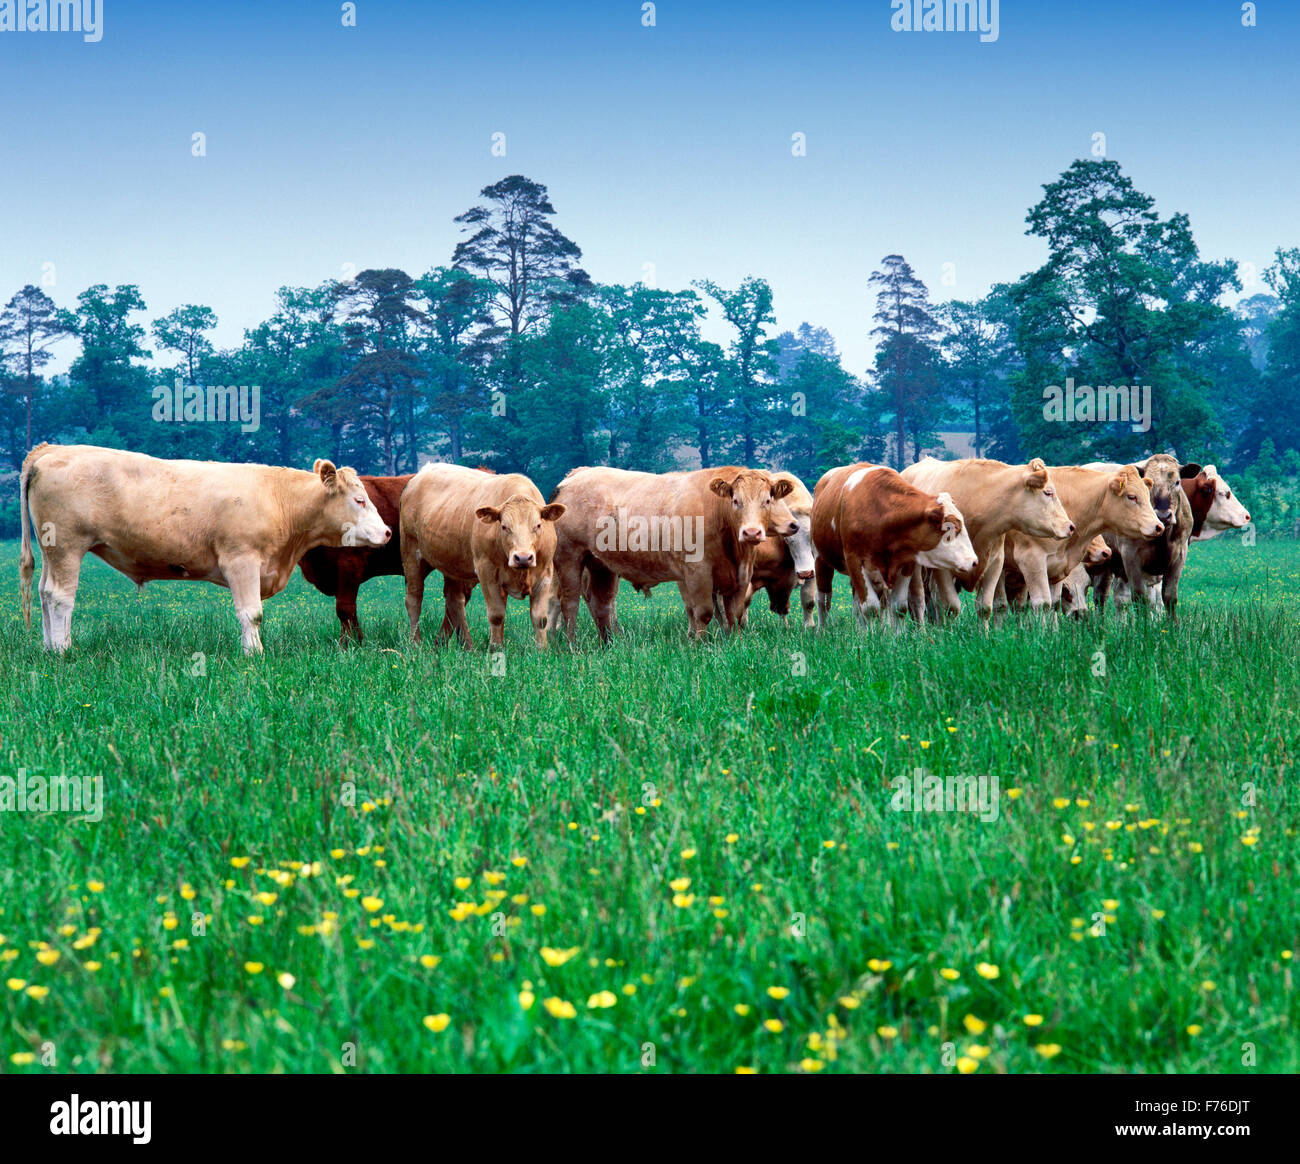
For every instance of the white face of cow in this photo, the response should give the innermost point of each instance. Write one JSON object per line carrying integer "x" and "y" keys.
{"x": 801, "y": 547}
{"x": 348, "y": 504}
{"x": 954, "y": 551}
{"x": 1226, "y": 512}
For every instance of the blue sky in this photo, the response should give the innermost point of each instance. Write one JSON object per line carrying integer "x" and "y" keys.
{"x": 668, "y": 145}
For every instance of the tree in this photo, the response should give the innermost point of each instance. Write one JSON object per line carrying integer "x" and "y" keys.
{"x": 108, "y": 388}
{"x": 375, "y": 398}
{"x": 454, "y": 349}
{"x": 791, "y": 345}
{"x": 29, "y": 325}
{"x": 976, "y": 347}
{"x": 520, "y": 252}
{"x": 825, "y": 424}
{"x": 1128, "y": 299}
{"x": 906, "y": 358}
{"x": 752, "y": 364}
{"x": 181, "y": 331}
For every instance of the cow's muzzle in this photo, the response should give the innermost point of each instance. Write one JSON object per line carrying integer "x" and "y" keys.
{"x": 752, "y": 533}
{"x": 519, "y": 561}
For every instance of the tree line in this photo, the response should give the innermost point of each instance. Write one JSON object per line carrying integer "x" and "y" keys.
{"x": 513, "y": 358}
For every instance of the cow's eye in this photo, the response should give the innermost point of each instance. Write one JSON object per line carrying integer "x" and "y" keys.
{"x": 361, "y": 501}
{"x": 537, "y": 528}
{"x": 505, "y": 529}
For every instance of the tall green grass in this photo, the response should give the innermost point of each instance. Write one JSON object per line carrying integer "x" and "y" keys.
{"x": 1136, "y": 890}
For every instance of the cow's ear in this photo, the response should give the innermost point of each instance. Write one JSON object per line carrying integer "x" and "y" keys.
{"x": 1148, "y": 482}
{"x": 721, "y": 486}
{"x": 326, "y": 472}
{"x": 487, "y": 515}
{"x": 935, "y": 515}
{"x": 1191, "y": 469}
{"x": 782, "y": 488}
{"x": 1118, "y": 483}
{"x": 1037, "y": 478}
{"x": 552, "y": 512}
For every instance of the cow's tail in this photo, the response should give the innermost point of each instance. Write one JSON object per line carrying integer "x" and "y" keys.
{"x": 26, "y": 561}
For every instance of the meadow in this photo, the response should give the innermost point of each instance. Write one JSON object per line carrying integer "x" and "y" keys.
{"x": 658, "y": 856}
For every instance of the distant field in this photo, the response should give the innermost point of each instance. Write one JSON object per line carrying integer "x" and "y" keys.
{"x": 1137, "y": 889}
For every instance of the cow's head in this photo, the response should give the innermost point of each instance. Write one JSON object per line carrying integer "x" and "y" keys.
{"x": 1097, "y": 552}
{"x": 799, "y": 502}
{"x": 1074, "y": 591}
{"x": 1214, "y": 506}
{"x": 755, "y": 505}
{"x": 525, "y": 530}
{"x": 348, "y": 508}
{"x": 953, "y": 550}
{"x": 1164, "y": 477}
{"x": 1126, "y": 505}
{"x": 1039, "y": 511}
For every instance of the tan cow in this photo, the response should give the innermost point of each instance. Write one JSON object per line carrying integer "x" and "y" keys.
{"x": 700, "y": 529}
{"x": 241, "y": 526}
{"x": 477, "y": 528}
{"x": 782, "y": 563}
{"x": 868, "y": 523}
{"x": 994, "y": 498}
{"x": 1070, "y": 594}
{"x": 1118, "y": 502}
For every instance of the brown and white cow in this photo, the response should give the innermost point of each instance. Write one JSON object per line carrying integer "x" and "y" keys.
{"x": 994, "y": 498}
{"x": 1117, "y": 502}
{"x": 477, "y": 528}
{"x": 782, "y": 563}
{"x": 244, "y": 527}
{"x": 869, "y": 523}
{"x": 1214, "y": 508}
{"x": 700, "y": 529}
{"x": 339, "y": 572}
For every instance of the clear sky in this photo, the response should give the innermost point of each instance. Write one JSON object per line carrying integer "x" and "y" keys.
{"x": 668, "y": 145}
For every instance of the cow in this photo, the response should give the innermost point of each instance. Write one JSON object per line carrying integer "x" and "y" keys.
{"x": 1118, "y": 502}
{"x": 782, "y": 563}
{"x": 871, "y": 524}
{"x": 1070, "y": 593}
{"x": 994, "y": 498}
{"x": 1214, "y": 508}
{"x": 1141, "y": 563}
{"x": 340, "y": 572}
{"x": 477, "y": 528}
{"x": 701, "y": 529}
{"x": 244, "y": 527}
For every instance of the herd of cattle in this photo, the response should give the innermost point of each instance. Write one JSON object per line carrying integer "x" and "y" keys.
{"x": 908, "y": 542}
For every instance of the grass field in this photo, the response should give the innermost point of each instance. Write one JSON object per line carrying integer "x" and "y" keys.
{"x": 528, "y": 837}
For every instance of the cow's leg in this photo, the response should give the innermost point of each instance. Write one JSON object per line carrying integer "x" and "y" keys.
{"x": 345, "y": 601}
{"x": 41, "y": 592}
{"x": 566, "y": 593}
{"x": 244, "y": 577}
{"x": 778, "y": 595}
{"x": 865, "y": 599}
{"x": 455, "y": 597}
{"x": 824, "y": 581}
{"x": 60, "y": 573}
{"x": 411, "y": 570}
{"x": 899, "y": 599}
{"x": 1101, "y": 589}
{"x": 602, "y": 586}
{"x": 494, "y": 598}
{"x": 808, "y": 600}
{"x": 1000, "y": 603}
{"x": 538, "y": 607}
{"x": 987, "y": 586}
{"x": 1169, "y": 590}
{"x": 916, "y": 594}
{"x": 697, "y": 593}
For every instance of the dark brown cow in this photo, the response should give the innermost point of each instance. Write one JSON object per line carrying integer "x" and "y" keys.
{"x": 340, "y": 572}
